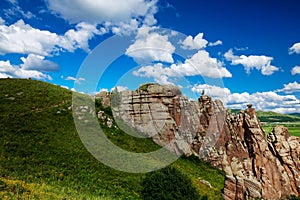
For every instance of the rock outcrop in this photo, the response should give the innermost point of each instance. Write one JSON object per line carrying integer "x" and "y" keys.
{"x": 256, "y": 166}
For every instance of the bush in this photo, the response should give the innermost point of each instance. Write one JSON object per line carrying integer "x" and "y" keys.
{"x": 293, "y": 197}
{"x": 168, "y": 183}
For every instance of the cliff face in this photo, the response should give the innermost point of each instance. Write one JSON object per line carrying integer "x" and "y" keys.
{"x": 256, "y": 166}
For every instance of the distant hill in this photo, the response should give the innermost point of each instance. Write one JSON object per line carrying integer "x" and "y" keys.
{"x": 269, "y": 116}
{"x": 295, "y": 114}
{"x": 42, "y": 157}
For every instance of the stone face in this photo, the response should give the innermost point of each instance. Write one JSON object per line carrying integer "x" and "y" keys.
{"x": 256, "y": 166}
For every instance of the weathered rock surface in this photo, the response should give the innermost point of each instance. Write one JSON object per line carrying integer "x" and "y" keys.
{"x": 256, "y": 166}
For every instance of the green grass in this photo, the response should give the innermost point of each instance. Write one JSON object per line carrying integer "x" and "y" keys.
{"x": 293, "y": 127}
{"x": 276, "y": 117}
{"x": 42, "y": 156}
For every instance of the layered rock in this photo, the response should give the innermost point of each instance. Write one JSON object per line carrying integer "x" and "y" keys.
{"x": 256, "y": 166}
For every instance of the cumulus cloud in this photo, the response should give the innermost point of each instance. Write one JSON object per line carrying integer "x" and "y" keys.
{"x": 9, "y": 70}
{"x": 296, "y": 70}
{"x": 199, "y": 64}
{"x": 194, "y": 43}
{"x": 151, "y": 46}
{"x": 290, "y": 87}
{"x": 216, "y": 43}
{"x": 266, "y": 101}
{"x": 101, "y": 11}
{"x": 159, "y": 73}
{"x": 37, "y": 62}
{"x": 211, "y": 90}
{"x": 262, "y": 63}
{"x": 295, "y": 48}
{"x": 23, "y": 39}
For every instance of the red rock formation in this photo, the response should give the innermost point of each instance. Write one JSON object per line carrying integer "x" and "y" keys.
{"x": 255, "y": 166}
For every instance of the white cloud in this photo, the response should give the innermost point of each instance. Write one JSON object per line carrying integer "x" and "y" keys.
{"x": 9, "y": 70}
{"x": 23, "y": 39}
{"x": 77, "y": 80}
{"x": 101, "y": 11}
{"x": 216, "y": 43}
{"x": 291, "y": 87}
{"x": 150, "y": 46}
{"x": 3, "y": 75}
{"x": 159, "y": 73}
{"x": 199, "y": 64}
{"x": 295, "y": 48}
{"x": 103, "y": 90}
{"x": 37, "y": 62}
{"x": 262, "y": 63}
{"x": 296, "y": 70}
{"x": 267, "y": 101}
{"x": 78, "y": 39}
{"x": 119, "y": 88}
{"x": 16, "y": 11}
{"x": 211, "y": 90}
{"x": 194, "y": 43}
{"x": 125, "y": 28}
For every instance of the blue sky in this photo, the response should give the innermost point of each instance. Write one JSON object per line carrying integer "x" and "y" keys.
{"x": 239, "y": 51}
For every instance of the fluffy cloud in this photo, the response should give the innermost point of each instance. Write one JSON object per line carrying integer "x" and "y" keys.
{"x": 194, "y": 43}
{"x": 199, "y": 64}
{"x": 159, "y": 73}
{"x": 212, "y": 90}
{"x": 295, "y": 48}
{"x": 261, "y": 100}
{"x": 290, "y": 88}
{"x": 262, "y": 63}
{"x": 9, "y": 70}
{"x": 100, "y": 11}
{"x": 264, "y": 101}
{"x": 37, "y": 62}
{"x": 216, "y": 43}
{"x": 296, "y": 70}
{"x": 151, "y": 46}
{"x": 23, "y": 39}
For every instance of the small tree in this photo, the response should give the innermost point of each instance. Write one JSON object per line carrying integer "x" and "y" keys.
{"x": 168, "y": 183}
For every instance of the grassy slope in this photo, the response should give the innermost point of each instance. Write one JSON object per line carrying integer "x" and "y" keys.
{"x": 276, "y": 117}
{"x": 42, "y": 157}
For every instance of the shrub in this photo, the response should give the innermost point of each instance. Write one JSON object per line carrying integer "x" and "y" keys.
{"x": 293, "y": 197}
{"x": 168, "y": 183}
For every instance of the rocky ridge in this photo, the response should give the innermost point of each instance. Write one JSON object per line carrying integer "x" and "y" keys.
{"x": 256, "y": 166}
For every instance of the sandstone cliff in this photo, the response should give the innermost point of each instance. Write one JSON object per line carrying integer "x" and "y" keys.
{"x": 256, "y": 166}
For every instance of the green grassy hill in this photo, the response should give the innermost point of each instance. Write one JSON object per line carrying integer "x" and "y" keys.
{"x": 268, "y": 116}
{"x": 42, "y": 157}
